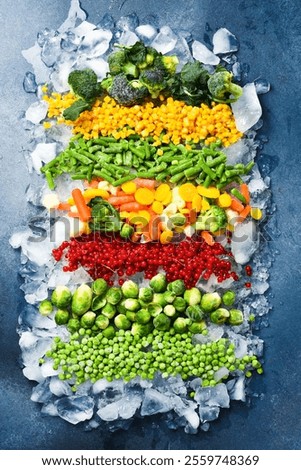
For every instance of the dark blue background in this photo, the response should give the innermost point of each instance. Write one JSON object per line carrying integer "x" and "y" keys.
{"x": 270, "y": 42}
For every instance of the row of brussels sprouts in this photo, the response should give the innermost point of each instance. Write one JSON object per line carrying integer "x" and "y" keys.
{"x": 161, "y": 305}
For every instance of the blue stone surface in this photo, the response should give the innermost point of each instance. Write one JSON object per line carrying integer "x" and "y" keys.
{"x": 270, "y": 42}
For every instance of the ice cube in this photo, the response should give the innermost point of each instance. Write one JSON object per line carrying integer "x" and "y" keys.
{"x": 128, "y": 38}
{"x": 59, "y": 77}
{"x": 43, "y": 153}
{"x": 48, "y": 370}
{"x": 33, "y": 57}
{"x": 259, "y": 287}
{"x": 244, "y": 241}
{"x": 262, "y": 86}
{"x": 107, "y": 22}
{"x": 236, "y": 388}
{"x": 51, "y": 50}
{"x": 36, "y": 112}
{"x": 75, "y": 13}
{"x": 208, "y": 413}
{"x": 49, "y": 409}
{"x": 239, "y": 152}
{"x": 165, "y": 40}
{"x": 69, "y": 42}
{"x": 29, "y": 83}
{"x": 99, "y": 66}
{"x": 128, "y": 405}
{"x": 224, "y": 42}
{"x": 154, "y": 402}
{"x": 109, "y": 412}
{"x": 247, "y": 109}
{"x": 30, "y": 317}
{"x": 213, "y": 396}
{"x": 182, "y": 51}
{"x": 33, "y": 372}
{"x": 59, "y": 387}
{"x": 33, "y": 347}
{"x": 203, "y": 54}
{"x": 84, "y": 28}
{"x": 146, "y": 32}
{"x": 41, "y": 392}
{"x": 221, "y": 373}
{"x": 95, "y": 43}
{"x": 75, "y": 409}
{"x": 128, "y": 22}
{"x": 241, "y": 344}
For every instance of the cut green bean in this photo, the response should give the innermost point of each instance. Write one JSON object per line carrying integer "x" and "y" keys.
{"x": 125, "y": 179}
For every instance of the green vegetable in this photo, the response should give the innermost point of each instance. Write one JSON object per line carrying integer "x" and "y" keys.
{"x": 145, "y": 294}
{"x": 73, "y": 112}
{"x": 190, "y": 85}
{"x": 130, "y": 289}
{"x": 210, "y": 301}
{"x": 81, "y": 300}
{"x": 180, "y": 324}
{"x": 109, "y": 332}
{"x": 98, "y": 302}
{"x": 45, "y": 307}
{"x": 161, "y": 322}
{"x": 228, "y": 298}
{"x": 99, "y": 286}
{"x": 178, "y": 220}
{"x": 102, "y": 322}
{"x": 114, "y": 295}
{"x": 160, "y": 298}
{"x": 61, "y": 297}
{"x": 154, "y": 80}
{"x": 213, "y": 219}
{"x": 105, "y": 218}
{"x": 169, "y": 310}
{"x": 61, "y": 317}
{"x": 132, "y": 304}
{"x": 154, "y": 309}
{"x": 177, "y": 287}
{"x": 236, "y": 317}
{"x": 125, "y": 92}
{"x": 143, "y": 316}
{"x": 219, "y": 316}
{"x": 73, "y": 325}
{"x": 194, "y": 312}
{"x": 109, "y": 310}
{"x": 197, "y": 327}
{"x": 122, "y": 322}
{"x": 141, "y": 330}
{"x": 130, "y": 315}
{"x": 118, "y": 63}
{"x": 88, "y": 319}
{"x": 158, "y": 283}
{"x": 168, "y": 297}
{"x": 221, "y": 87}
{"x": 180, "y": 304}
{"x": 126, "y": 231}
{"x": 192, "y": 296}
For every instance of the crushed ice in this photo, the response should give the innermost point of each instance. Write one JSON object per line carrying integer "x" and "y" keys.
{"x": 78, "y": 43}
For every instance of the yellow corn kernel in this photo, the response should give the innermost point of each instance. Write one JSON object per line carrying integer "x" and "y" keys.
{"x": 224, "y": 200}
{"x": 129, "y": 187}
{"x": 256, "y": 213}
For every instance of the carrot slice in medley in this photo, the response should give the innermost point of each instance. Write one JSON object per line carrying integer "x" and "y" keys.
{"x": 84, "y": 211}
{"x": 119, "y": 200}
{"x": 236, "y": 205}
{"x": 244, "y": 214}
{"x": 145, "y": 183}
{"x": 145, "y": 196}
{"x": 131, "y": 207}
{"x": 207, "y": 237}
{"x": 245, "y": 192}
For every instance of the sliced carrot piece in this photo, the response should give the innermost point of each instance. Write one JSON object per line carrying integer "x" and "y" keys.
{"x": 244, "y": 189}
{"x": 162, "y": 192}
{"x": 119, "y": 200}
{"x": 145, "y": 183}
{"x": 236, "y": 205}
{"x": 207, "y": 237}
{"x": 244, "y": 214}
{"x": 84, "y": 211}
{"x": 187, "y": 191}
{"x": 131, "y": 207}
{"x": 64, "y": 206}
{"x": 144, "y": 196}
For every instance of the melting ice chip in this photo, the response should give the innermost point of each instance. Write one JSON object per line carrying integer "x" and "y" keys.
{"x": 36, "y": 112}
{"x": 244, "y": 242}
{"x": 165, "y": 40}
{"x": 33, "y": 347}
{"x": 43, "y": 153}
{"x": 155, "y": 402}
{"x": 59, "y": 387}
{"x": 75, "y": 409}
{"x": 203, "y": 54}
{"x": 128, "y": 38}
{"x": 75, "y": 13}
{"x": 247, "y": 109}
{"x": 33, "y": 57}
{"x": 96, "y": 42}
{"x": 146, "y": 31}
{"x": 224, "y": 42}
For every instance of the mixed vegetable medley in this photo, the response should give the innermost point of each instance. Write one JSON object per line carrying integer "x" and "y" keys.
{"x": 153, "y": 205}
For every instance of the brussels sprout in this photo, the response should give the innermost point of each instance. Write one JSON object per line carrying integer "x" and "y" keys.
{"x": 130, "y": 315}
{"x": 141, "y": 330}
{"x": 99, "y": 286}
{"x": 130, "y": 289}
{"x": 194, "y": 312}
{"x": 169, "y": 297}
{"x": 145, "y": 294}
{"x": 45, "y": 308}
{"x": 228, "y": 298}
{"x": 159, "y": 298}
{"x": 236, "y": 317}
{"x": 177, "y": 287}
{"x": 192, "y": 296}
{"x": 180, "y": 324}
{"x": 197, "y": 327}
{"x": 81, "y": 300}
{"x": 132, "y": 304}
{"x": 169, "y": 310}
{"x": 109, "y": 332}
{"x": 108, "y": 311}
{"x": 219, "y": 316}
{"x": 61, "y": 317}
{"x": 143, "y": 316}
{"x": 180, "y": 304}
{"x": 161, "y": 322}
{"x": 126, "y": 231}
{"x": 154, "y": 309}
{"x": 210, "y": 301}
{"x": 114, "y": 295}
{"x": 98, "y": 302}
{"x": 61, "y": 297}
{"x": 73, "y": 325}
{"x": 88, "y": 319}
{"x": 158, "y": 283}
{"x": 102, "y": 322}
{"x": 121, "y": 307}
{"x": 121, "y": 322}
{"x": 178, "y": 219}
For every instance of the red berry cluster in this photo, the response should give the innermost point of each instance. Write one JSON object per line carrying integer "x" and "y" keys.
{"x": 103, "y": 256}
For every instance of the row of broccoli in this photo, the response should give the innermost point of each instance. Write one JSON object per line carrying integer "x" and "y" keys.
{"x": 140, "y": 72}
{"x": 161, "y": 305}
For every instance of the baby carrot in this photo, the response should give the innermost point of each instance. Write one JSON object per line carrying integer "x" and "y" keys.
{"x": 245, "y": 192}
{"x": 84, "y": 211}
{"x": 119, "y": 200}
{"x": 237, "y": 205}
{"x": 131, "y": 207}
